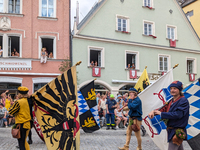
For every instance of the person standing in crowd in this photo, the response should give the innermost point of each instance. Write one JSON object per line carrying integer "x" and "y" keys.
{"x": 119, "y": 101}
{"x": 125, "y": 97}
{"x": 102, "y": 105}
{"x": 22, "y": 110}
{"x": 135, "y": 116}
{"x": 120, "y": 117}
{"x": 3, "y": 115}
{"x": 176, "y": 112}
{"x": 111, "y": 104}
{"x": 98, "y": 98}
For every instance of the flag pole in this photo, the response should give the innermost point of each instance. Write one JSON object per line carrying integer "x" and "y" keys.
{"x": 77, "y": 143}
{"x": 166, "y": 103}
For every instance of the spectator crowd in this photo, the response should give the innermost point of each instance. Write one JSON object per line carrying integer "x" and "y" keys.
{"x": 111, "y": 111}
{"x": 6, "y": 101}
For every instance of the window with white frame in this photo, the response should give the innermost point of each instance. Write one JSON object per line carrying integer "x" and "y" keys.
{"x": 49, "y": 44}
{"x": 148, "y": 3}
{"x": 191, "y": 65}
{"x": 163, "y": 63}
{"x": 96, "y": 56}
{"x": 1, "y": 5}
{"x": 48, "y": 8}
{"x": 122, "y": 23}
{"x": 171, "y": 33}
{"x": 14, "y": 6}
{"x": 149, "y": 28}
{"x": 132, "y": 59}
{"x": 13, "y": 46}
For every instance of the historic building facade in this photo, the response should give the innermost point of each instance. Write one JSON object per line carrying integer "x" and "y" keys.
{"x": 191, "y": 9}
{"x": 27, "y": 26}
{"x": 122, "y": 37}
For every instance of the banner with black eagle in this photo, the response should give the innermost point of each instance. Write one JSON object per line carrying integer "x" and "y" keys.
{"x": 56, "y": 109}
{"x": 88, "y": 111}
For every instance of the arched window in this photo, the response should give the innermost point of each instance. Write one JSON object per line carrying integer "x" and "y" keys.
{"x": 125, "y": 88}
{"x": 100, "y": 88}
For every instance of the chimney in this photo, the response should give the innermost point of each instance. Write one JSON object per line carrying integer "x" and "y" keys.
{"x": 75, "y": 25}
{"x": 77, "y": 12}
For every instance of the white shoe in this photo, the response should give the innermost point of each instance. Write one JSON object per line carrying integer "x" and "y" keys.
{"x": 117, "y": 127}
{"x": 125, "y": 127}
{"x": 6, "y": 126}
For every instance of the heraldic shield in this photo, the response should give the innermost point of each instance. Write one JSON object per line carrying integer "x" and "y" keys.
{"x": 96, "y": 72}
{"x": 56, "y": 109}
{"x": 88, "y": 111}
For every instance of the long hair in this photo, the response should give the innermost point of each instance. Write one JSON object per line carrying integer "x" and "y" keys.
{"x": 181, "y": 94}
{"x": 23, "y": 95}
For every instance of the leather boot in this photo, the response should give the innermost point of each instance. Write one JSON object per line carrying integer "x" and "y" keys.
{"x": 126, "y": 147}
{"x": 138, "y": 148}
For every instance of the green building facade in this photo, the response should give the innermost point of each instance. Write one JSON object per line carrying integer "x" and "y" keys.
{"x": 116, "y": 33}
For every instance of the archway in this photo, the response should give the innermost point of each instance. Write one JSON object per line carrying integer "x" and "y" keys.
{"x": 124, "y": 88}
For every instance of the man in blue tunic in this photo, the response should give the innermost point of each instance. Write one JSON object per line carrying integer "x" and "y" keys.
{"x": 176, "y": 112}
{"x": 111, "y": 104}
{"x": 135, "y": 117}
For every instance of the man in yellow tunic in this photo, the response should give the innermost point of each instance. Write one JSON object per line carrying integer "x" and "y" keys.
{"x": 21, "y": 109}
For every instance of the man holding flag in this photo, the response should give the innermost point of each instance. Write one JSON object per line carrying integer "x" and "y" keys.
{"x": 176, "y": 114}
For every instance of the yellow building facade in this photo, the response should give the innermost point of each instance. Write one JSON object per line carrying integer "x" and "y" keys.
{"x": 192, "y": 11}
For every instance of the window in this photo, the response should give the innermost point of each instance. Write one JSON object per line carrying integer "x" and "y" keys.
{"x": 131, "y": 59}
{"x": 191, "y": 65}
{"x": 37, "y": 86}
{"x": 148, "y": 29}
{"x": 189, "y": 14}
{"x": 50, "y": 45}
{"x": 171, "y": 32}
{"x": 12, "y": 87}
{"x": 147, "y": 3}
{"x": 96, "y": 56}
{"x": 1, "y": 6}
{"x": 122, "y": 24}
{"x": 13, "y": 46}
{"x": 163, "y": 63}
{"x": 48, "y": 8}
{"x": 14, "y": 6}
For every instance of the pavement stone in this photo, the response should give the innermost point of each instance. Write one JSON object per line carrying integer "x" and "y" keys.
{"x": 99, "y": 140}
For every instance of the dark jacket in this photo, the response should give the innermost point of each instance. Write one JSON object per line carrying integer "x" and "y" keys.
{"x": 178, "y": 116}
{"x": 135, "y": 107}
{"x": 111, "y": 103}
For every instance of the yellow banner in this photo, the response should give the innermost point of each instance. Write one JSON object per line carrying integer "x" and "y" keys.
{"x": 143, "y": 82}
{"x": 56, "y": 109}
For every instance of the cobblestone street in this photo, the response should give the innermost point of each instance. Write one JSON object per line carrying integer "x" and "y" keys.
{"x": 99, "y": 140}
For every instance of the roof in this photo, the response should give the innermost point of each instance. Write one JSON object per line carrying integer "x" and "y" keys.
{"x": 90, "y": 13}
{"x": 186, "y": 2}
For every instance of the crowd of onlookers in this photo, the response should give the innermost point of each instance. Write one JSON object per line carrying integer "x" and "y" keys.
{"x": 120, "y": 116}
{"x": 6, "y": 101}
